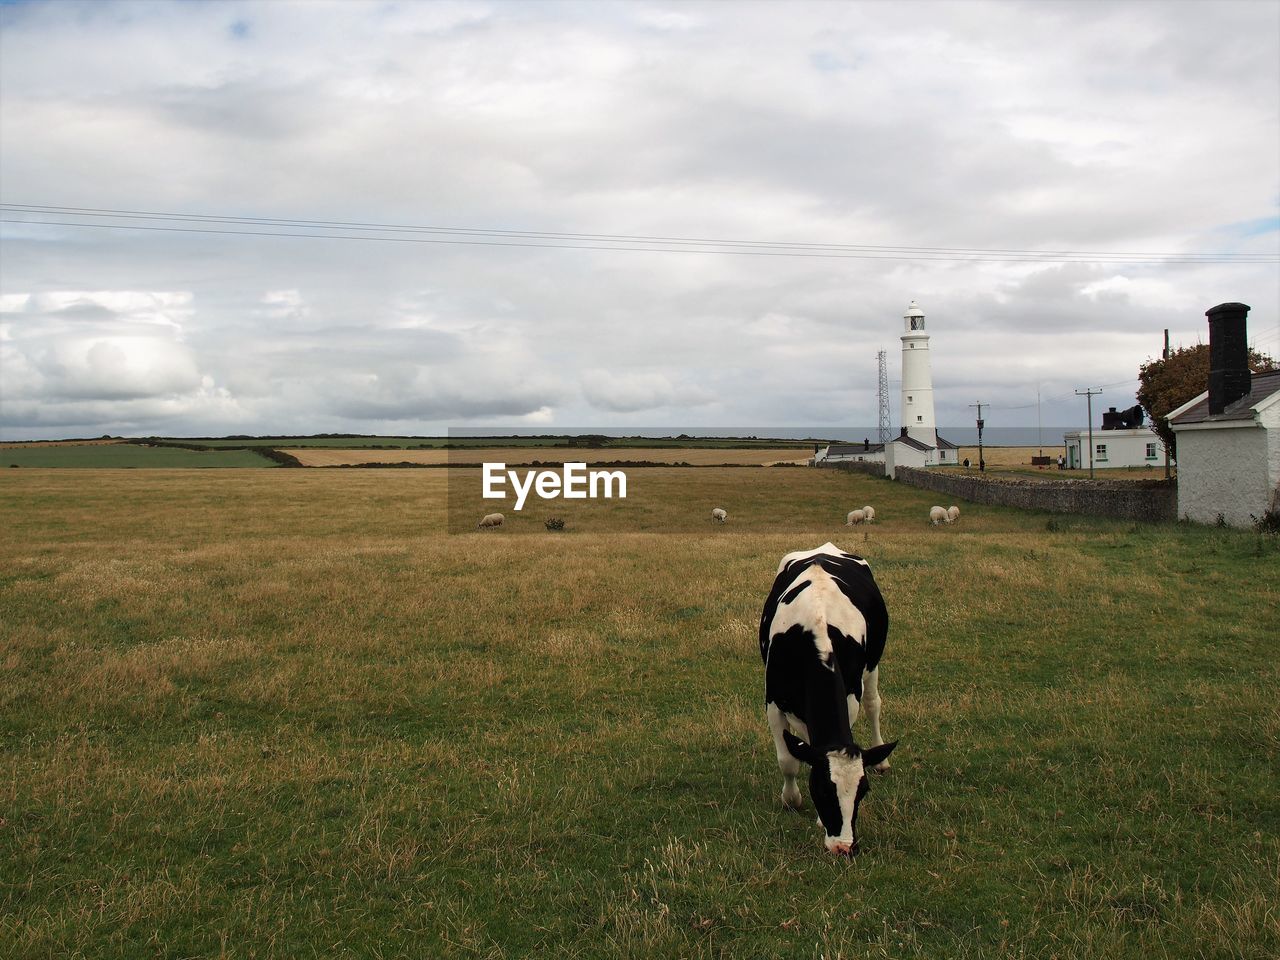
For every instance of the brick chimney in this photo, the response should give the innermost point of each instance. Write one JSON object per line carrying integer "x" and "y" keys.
{"x": 1229, "y": 377}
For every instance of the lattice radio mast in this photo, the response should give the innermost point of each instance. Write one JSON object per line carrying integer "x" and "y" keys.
{"x": 884, "y": 429}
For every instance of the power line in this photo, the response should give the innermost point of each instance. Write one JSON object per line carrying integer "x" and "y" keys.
{"x": 1061, "y": 396}
{"x": 355, "y": 230}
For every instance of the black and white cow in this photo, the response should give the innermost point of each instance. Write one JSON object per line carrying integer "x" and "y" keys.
{"x": 821, "y": 636}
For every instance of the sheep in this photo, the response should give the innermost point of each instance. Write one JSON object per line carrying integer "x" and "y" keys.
{"x": 937, "y": 515}
{"x": 719, "y": 514}
{"x": 953, "y": 514}
{"x": 855, "y": 517}
{"x": 490, "y": 520}
{"x": 869, "y": 514}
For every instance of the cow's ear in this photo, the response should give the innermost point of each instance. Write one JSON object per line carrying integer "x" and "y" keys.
{"x": 799, "y": 749}
{"x": 877, "y": 755}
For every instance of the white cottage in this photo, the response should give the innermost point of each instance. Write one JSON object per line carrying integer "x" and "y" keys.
{"x": 1123, "y": 441}
{"x": 865, "y": 452}
{"x": 1229, "y": 436}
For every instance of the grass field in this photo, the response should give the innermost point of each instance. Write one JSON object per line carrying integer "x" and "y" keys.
{"x": 357, "y": 442}
{"x": 115, "y": 455}
{"x": 282, "y": 714}
{"x": 512, "y": 456}
{"x": 1016, "y": 461}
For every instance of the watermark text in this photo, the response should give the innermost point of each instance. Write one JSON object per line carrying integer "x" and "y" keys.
{"x": 573, "y": 482}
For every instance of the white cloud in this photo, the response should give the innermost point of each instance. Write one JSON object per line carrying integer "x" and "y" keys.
{"x": 637, "y": 391}
{"x": 994, "y": 127}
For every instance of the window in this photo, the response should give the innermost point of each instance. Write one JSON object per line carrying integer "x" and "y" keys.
{"x": 1151, "y": 451}
{"x": 919, "y": 419}
{"x": 910, "y": 398}
{"x": 1100, "y": 452}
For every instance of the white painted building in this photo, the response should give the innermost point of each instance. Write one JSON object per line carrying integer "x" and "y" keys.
{"x": 1229, "y": 436}
{"x": 865, "y": 452}
{"x": 1134, "y": 447}
{"x": 918, "y": 443}
{"x": 917, "y": 379}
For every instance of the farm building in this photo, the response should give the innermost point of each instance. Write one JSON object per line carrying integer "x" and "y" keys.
{"x": 864, "y": 452}
{"x": 1123, "y": 441}
{"x": 1229, "y": 436}
{"x": 908, "y": 451}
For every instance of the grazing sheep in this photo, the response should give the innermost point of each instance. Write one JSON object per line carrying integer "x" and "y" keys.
{"x": 869, "y": 514}
{"x": 953, "y": 514}
{"x": 937, "y": 515}
{"x": 490, "y": 520}
{"x": 719, "y": 514}
{"x": 855, "y": 517}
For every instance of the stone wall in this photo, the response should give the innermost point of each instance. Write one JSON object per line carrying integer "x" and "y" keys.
{"x": 870, "y": 468}
{"x": 1152, "y": 500}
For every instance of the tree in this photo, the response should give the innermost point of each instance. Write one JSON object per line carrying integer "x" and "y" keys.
{"x": 1167, "y": 384}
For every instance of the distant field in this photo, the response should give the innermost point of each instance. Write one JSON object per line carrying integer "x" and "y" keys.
{"x": 1017, "y": 460}
{"x": 250, "y": 714}
{"x": 125, "y": 455}
{"x": 311, "y": 457}
{"x": 30, "y": 444}
{"x": 355, "y": 443}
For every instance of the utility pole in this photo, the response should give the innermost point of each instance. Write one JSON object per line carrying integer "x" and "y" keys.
{"x": 1039, "y": 432}
{"x": 884, "y": 426}
{"x": 1167, "y": 472}
{"x": 1090, "y": 394}
{"x": 982, "y": 464}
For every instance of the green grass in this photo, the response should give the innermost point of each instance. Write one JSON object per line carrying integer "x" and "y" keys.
{"x": 126, "y": 455}
{"x": 282, "y": 714}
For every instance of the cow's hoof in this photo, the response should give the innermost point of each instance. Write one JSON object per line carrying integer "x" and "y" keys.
{"x": 793, "y": 801}
{"x": 881, "y": 767}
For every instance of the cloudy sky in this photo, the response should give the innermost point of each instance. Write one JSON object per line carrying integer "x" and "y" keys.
{"x": 1105, "y": 128}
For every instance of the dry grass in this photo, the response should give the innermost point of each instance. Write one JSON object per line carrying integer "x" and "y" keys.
{"x": 280, "y": 713}
{"x": 1017, "y": 461}
{"x": 1007, "y": 456}
{"x": 25, "y": 444}
{"x": 516, "y": 456}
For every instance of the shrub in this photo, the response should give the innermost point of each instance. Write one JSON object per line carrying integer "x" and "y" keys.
{"x": 554, "y": 523}
{"x": 1269, "y": 522}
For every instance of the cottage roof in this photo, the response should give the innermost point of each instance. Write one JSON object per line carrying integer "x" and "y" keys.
{"x": 1264, "y": 388}
{"x": 946, "y": 445}
{"x": 847, "y": 449}
{"x": 913, "y": 442}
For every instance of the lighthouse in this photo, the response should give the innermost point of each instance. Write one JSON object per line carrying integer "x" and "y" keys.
{"x": 918, "y": 421}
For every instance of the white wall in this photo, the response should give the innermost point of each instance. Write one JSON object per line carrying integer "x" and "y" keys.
{"x": 1270, "y": 418}
{"x": 1125, "y": 448}
{"x": 1225, "y": 471}
{"x": 901, "y": 455}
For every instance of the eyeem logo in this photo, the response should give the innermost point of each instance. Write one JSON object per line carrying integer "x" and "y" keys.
{"x": 573, "y": 482}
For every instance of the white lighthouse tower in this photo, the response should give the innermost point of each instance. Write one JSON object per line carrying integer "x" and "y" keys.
{"x": 917, "y": 379}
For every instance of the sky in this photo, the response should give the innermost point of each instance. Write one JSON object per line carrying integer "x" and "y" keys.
{"x": 1101, "y": 128}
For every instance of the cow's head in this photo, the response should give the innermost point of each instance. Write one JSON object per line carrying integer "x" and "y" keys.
{"x": 837, "y": 784}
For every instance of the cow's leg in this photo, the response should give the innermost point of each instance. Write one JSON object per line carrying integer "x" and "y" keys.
{"x": 852, "y": 702}
{"x": 871, "y": 697}
{"x": 788, "y": 764}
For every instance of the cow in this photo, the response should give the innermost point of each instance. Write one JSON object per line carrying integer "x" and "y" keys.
{"x": 822, "y": 633}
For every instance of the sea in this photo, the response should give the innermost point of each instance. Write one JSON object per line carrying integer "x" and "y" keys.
{"x": 966, "y": 436}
